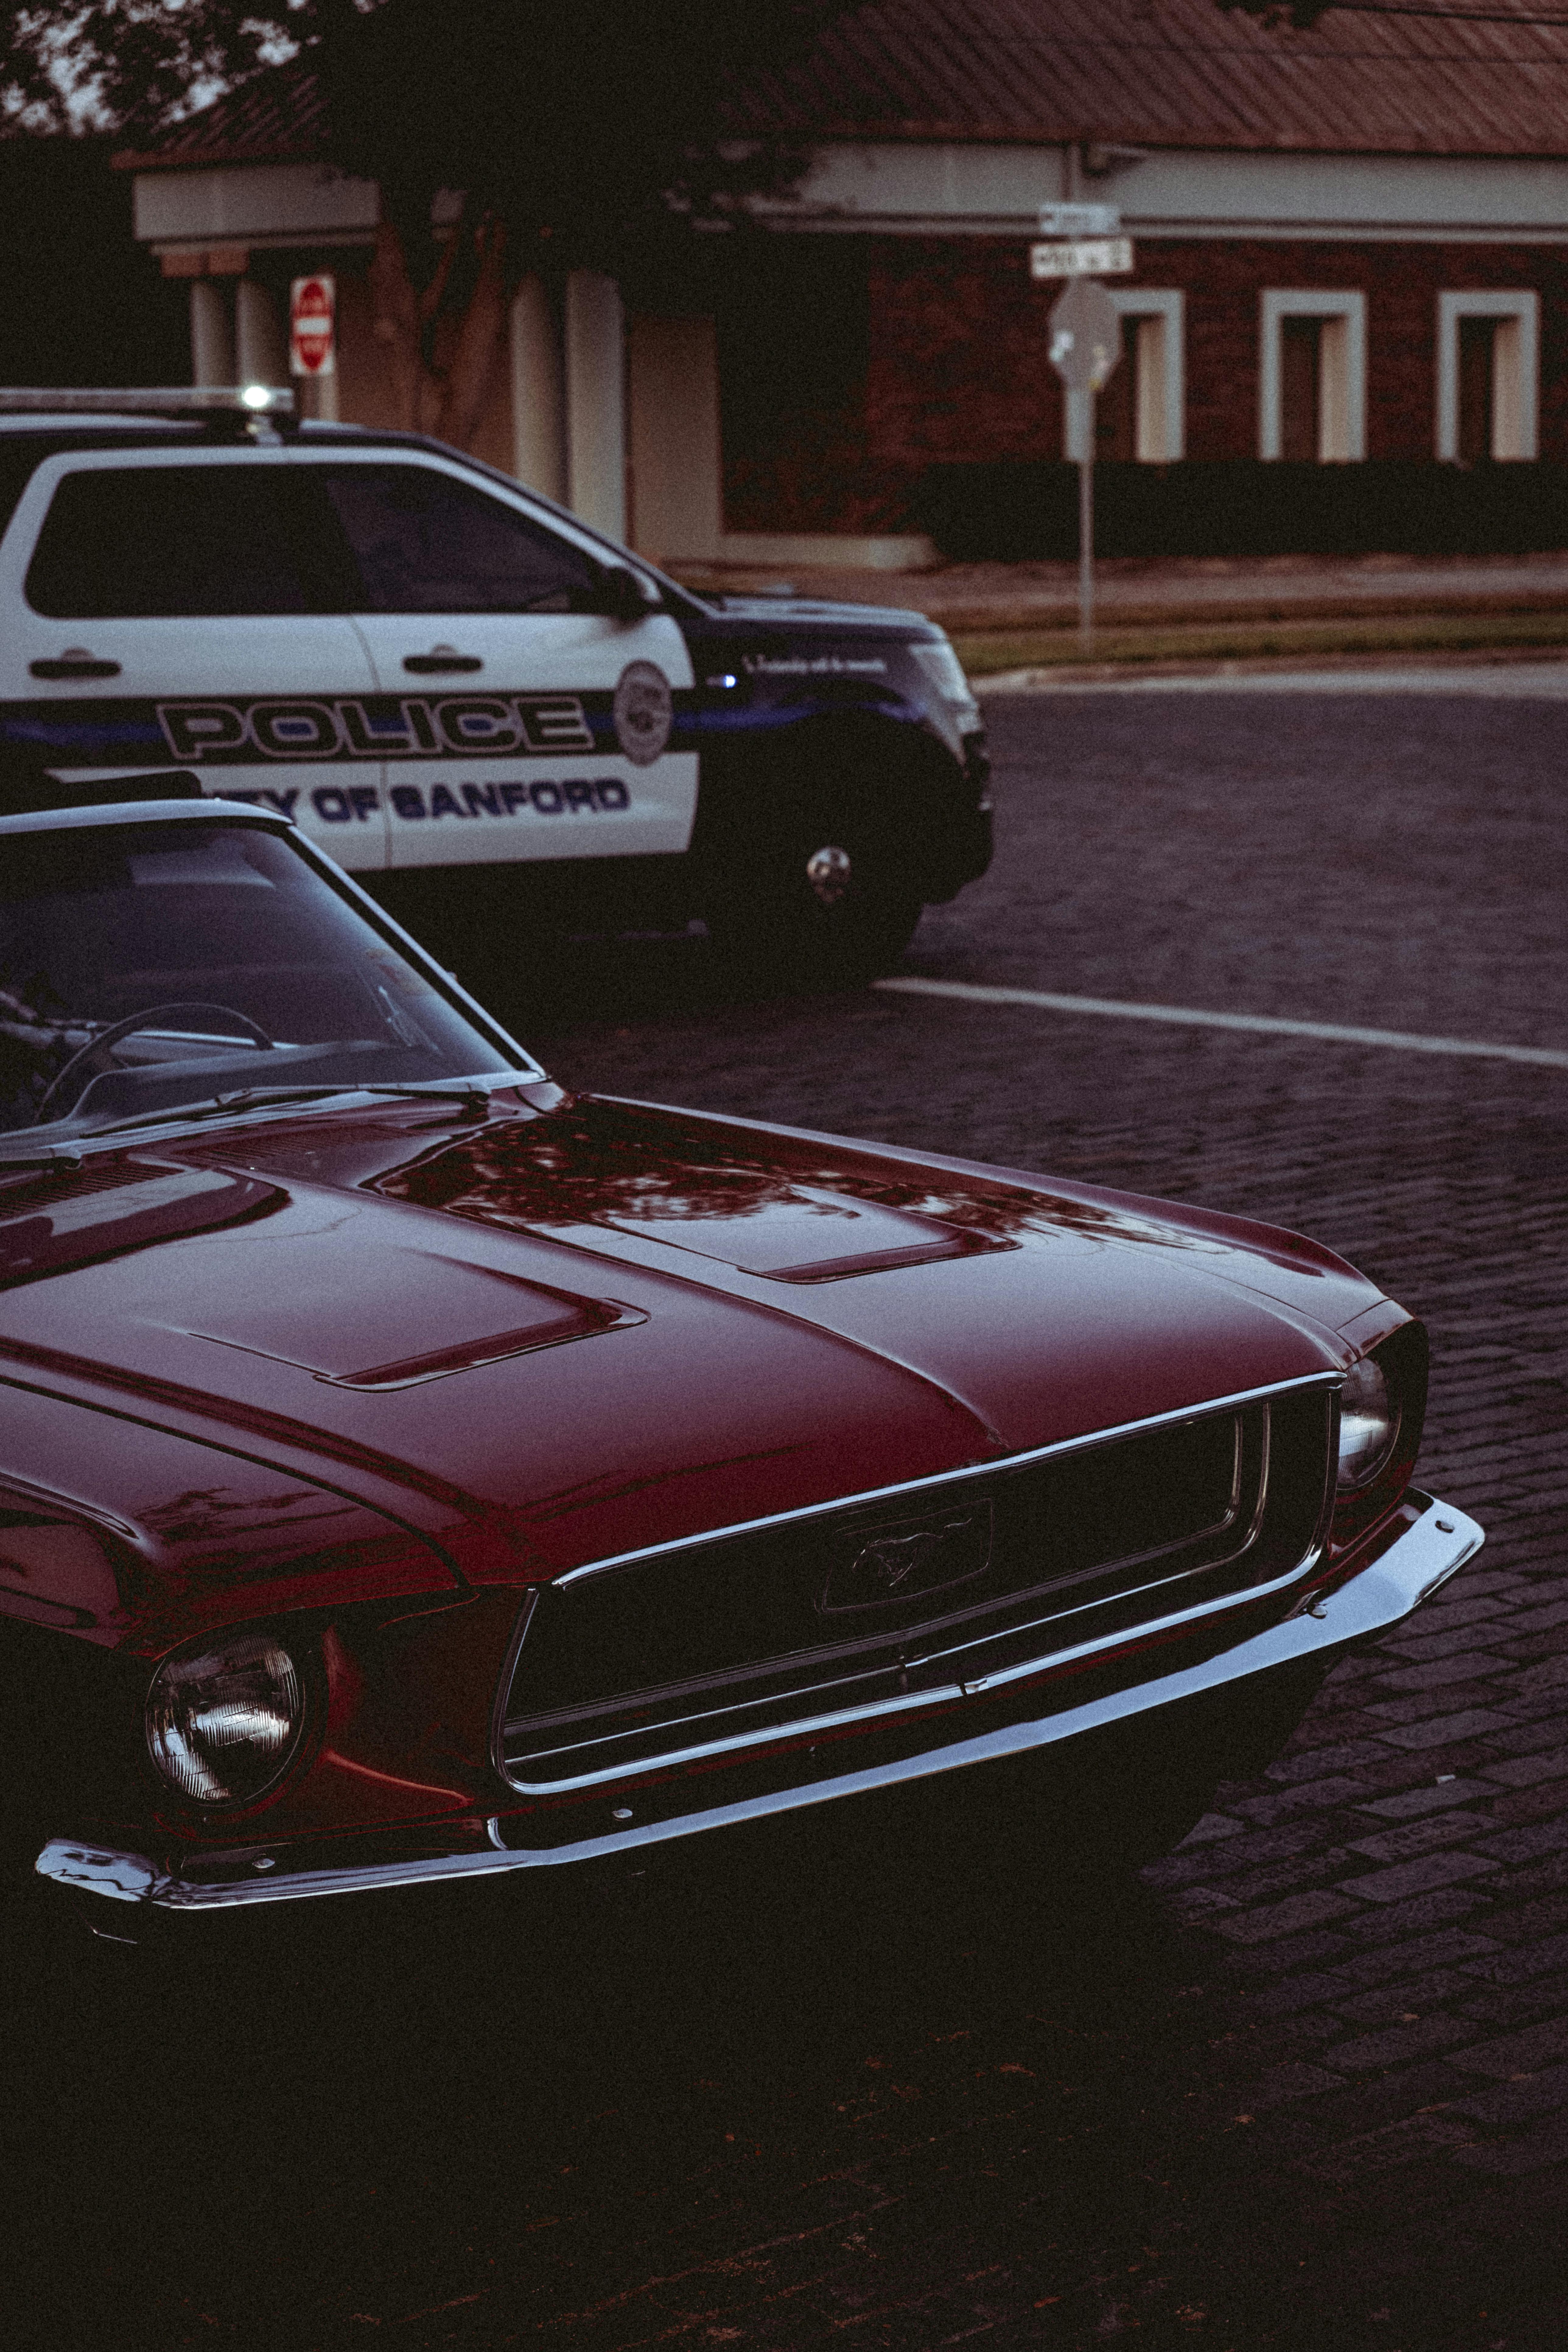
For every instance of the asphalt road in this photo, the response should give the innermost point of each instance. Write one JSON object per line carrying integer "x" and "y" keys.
{"x": 1306, "y": 2084}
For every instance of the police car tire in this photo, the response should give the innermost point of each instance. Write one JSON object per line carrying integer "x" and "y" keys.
{"x": 778, "y": 928}
{"x": 863, "y": 806}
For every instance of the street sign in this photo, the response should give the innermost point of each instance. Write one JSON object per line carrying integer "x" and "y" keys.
{"x": 1080, "y": 220}
{"x": 1086, "y": 335}
{"x": 1089, "y": 256}
{"x": 312, "y": 336}
{"x": 1086, "y": 344}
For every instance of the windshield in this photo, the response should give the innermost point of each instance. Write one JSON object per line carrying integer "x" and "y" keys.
{"x": 146, "y": 967}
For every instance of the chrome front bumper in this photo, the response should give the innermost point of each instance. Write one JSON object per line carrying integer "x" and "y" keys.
{"x": 1429, "y": 1551}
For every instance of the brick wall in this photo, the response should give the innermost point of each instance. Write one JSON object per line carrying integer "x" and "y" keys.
{"x": 851, "y": 366}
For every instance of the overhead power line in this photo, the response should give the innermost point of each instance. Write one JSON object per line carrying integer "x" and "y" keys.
{"x": 1438, "y": 15}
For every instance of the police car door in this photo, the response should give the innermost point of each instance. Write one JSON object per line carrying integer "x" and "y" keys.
{"x": 515, "y": 725}
{"x": 184, "y": 607}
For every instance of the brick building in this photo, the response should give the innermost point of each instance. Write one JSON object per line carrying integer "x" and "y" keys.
{"x": 1351, "y": 252}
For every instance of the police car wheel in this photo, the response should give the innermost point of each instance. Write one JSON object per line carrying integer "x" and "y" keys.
{"x": 823, "y": 909}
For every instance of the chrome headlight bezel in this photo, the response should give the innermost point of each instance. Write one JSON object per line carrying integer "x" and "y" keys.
{"x": 225, "y": 1718}
{"x": 1369, "y": 1425}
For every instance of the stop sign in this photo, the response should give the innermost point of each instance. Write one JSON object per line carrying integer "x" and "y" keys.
{"x": 1086, "y": 335}
{"x": 312, "y": 305}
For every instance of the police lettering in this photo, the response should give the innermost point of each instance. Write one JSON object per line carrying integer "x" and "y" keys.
{"x": 341, "y": 805}
{"x": 194, "y": 730}
{"x": 604, "y": 796}
{"x": 376, "y": 727}
{"x": 295, "y": 731}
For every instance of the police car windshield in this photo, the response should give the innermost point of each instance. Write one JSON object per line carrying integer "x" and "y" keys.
{"x": 149, "y": 968}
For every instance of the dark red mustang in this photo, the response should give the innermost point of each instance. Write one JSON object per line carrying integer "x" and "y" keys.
{"x": 410, "y": 1472}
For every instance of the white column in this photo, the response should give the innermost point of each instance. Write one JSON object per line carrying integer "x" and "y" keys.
{"x": 595, "y": 402}
{"x": 316, "y": 396}
{"x": 1341, "y": 382}
{"x": 260, "y": 347}
{"x": 672, "y": 375}
{"x": 212, "y": 337}
{"x": 538, "y": 402}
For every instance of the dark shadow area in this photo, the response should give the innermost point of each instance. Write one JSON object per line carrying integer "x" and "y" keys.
{"x": 546, "y": 987}
{"x": 494, "y": 2108}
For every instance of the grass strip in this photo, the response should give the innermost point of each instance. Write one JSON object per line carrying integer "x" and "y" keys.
{"x": 984, "y": 653}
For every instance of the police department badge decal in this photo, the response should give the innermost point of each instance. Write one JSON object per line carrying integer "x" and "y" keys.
{"x": 644, "y": 712}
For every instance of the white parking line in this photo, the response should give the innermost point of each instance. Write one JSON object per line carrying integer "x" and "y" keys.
{"x": 1188, "y": 1016}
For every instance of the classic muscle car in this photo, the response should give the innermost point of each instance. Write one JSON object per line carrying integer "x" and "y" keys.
{"x": 411, "y": 1472}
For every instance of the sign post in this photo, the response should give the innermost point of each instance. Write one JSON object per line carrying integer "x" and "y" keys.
{"x": 1086, "y": 344}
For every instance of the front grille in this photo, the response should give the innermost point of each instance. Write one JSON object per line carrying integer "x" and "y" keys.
{"x": 743, "y": 1637}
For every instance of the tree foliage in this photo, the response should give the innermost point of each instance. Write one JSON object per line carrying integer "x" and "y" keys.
{"x": 597, "y": 133}
{"x": 597, "y": 122}
{"x": 100, "y": 65}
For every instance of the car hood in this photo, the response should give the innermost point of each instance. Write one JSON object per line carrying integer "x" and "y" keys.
{"x": 813, "y": 614}
{"x": 600, "y": 1325}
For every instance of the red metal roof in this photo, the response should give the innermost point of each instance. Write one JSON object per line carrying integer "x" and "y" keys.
{"x": 1161, "y": 73}
{"x": 1182, "y": 73}
{"x": 275, "y": 117}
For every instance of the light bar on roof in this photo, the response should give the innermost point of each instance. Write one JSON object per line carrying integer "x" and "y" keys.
{"x": 175, "y": 400}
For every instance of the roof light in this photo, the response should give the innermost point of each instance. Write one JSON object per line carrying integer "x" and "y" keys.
{"x": 172, "y": 400}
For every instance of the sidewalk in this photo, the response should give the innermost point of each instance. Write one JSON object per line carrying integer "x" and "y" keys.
{"x": 1006, "y": 617}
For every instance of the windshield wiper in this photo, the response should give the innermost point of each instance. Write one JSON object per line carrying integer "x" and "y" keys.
{"x": 473, "y": 1099}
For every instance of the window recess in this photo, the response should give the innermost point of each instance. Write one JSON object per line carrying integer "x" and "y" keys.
{"x": 1313, "y": 376}
{"x": 1487, "y": 376}
{"x": 1141, "y": 414}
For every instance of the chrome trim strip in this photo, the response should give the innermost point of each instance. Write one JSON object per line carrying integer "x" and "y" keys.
{"x": 1413, "y": 1567}
{"x": 497, "y": 1749}
{"x": 1002, "y": 1463}
{"x": 942, "y": 1692}
{"x": 939, "y": 1695}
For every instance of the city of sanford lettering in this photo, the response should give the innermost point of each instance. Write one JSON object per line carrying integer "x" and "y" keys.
{"x": 357, "y": 803}
{"x": 377, "y": 726}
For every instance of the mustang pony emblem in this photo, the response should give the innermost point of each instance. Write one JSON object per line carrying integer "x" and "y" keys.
{"x": 913, "y": 1557}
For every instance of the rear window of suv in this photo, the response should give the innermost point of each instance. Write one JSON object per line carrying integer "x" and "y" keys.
{"x": 143, "y": 542}
{"x": 138, "y": 543}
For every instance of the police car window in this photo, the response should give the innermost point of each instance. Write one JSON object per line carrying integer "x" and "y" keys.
{"x": 187, "y": 542}
{"x": 425, "y": 542}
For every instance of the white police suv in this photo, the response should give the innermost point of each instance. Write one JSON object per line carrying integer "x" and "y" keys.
{"x": 435, "y": 673}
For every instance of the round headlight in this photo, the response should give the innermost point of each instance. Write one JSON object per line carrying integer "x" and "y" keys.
{"x": 1368, "y": 1425}
{"x": 223, "y": 1722}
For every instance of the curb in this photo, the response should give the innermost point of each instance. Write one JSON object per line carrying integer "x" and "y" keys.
{"x": 1044, "y": 678}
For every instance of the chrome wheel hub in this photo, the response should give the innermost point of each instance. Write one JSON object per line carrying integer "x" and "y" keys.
{"x": 828, "y": 871}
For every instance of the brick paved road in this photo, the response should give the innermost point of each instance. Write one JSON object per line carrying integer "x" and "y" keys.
{"x": 1308, "y": 2084}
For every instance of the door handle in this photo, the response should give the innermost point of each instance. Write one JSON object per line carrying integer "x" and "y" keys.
{"x": 75, "y": 661}
{"x": 441, "y": 660}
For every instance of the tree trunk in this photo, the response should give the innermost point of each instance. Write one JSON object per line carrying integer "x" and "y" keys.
{"x": 442, "y": 359}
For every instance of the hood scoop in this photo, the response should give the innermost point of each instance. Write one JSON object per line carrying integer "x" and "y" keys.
{"x": 807, "y": 1234}
{"x": 428, "y": 1316}
{"x": 607, "y": 1168}
{"x": 50, "y": 1223}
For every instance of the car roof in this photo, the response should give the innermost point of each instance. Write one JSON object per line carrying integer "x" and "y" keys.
{"x": 49, "y": 432}
{"x": 118, "y": 813}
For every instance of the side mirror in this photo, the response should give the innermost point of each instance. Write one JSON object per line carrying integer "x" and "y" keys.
{"x": 617, "y": 594}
